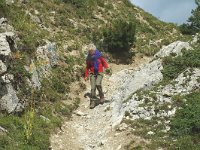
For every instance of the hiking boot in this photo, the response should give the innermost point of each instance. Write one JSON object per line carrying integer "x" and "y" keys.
{"x": 92, "y": 104}
{"x": 102, "y": 100}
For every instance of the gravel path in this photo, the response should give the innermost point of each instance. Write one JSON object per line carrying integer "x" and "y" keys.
{"x": 91, "y": 129}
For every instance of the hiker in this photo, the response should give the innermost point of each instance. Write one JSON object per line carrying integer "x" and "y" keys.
{"x": 95, "y": 64}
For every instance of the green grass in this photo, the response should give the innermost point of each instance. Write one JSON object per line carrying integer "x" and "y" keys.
{"x": 41, "y": 129}
{"x": 15, "y": 138}
{"x": 30, "y": 33}
{"x": 186, "y": 120}
{"x": 185, "y": 125}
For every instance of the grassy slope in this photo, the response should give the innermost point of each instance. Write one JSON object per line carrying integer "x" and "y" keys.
{"x": 72, "y": 25}
{"x": 184, "y": 132}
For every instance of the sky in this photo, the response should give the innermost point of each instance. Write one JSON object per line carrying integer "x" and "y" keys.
{"x": 176, "y": 11}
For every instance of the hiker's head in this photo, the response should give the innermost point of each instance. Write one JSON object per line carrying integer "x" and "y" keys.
{"x": 91, "y": 49}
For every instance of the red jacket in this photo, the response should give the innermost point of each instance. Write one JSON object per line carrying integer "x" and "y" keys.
{"x": 90, "y": 66}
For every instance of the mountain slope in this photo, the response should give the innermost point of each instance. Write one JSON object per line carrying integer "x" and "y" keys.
{"x": 42, "y": 52}
{"x": 146, "y": 107}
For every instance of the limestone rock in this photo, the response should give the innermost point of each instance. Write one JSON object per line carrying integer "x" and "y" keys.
{"x": 183, "y": 84}
{"x": 145, "y": 77}
{"x": 3, "y": 129}
{"x": 195, "y": 39}
{"x": 9, "y": 2}
{"x": 124, "y": 99}
{"x": 36, "y": 12}
{"x": 3, "y": 68}
{"x": 35, "y": 82}
{"x": 122, "y": 127}
{"x": 45, "y": 119}
{"x": 34, "y": 18}
{"x": 119, "y": 147}
{"x": 173, "y": 48}
{"x": 3, "y": 20}
{"x": 9, "y": 100}
{"x": 4, "y": 45}
{"x": 5, "y": 26}
{"x": 46, "y": 58}
{"x": 80, "y": 113}
{"x": 150, "y": 133}
{"x": 7, "y": 78}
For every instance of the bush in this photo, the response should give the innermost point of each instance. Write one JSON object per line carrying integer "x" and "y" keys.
{"x": 185, "y": 125}
{"x": 193, "y": 25}
{"x": 187, "y": 29}
{"x": 117, "y": 39}
{"x": 174, "y": 66}
{"x": 3, "y": 8}
{"x": 185, "y": 142}
{"x": 187, "y": 120}
{"x": 58, "y": 85}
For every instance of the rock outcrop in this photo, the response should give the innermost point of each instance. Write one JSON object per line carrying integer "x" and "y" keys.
{"x": 145, "y": 77}
{"x": 124, "y": 98}
{"x": 9, "y": 101}
{"x": 4, "y": 45}
{"x": 3, "y": 68}
{"x": 5, "y": 26}
{"x": 159, "y": 102}
{"x": 35, "y": 80}
{"x": 46, "y": 58}
{"x": 173, "y": 49}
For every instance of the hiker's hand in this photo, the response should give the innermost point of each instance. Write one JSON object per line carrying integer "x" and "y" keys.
{"x": 86, "y": 78}
{"x": 108, "y": 71}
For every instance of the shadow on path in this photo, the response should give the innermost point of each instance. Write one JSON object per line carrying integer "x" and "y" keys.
{"x": 97, "y": 100}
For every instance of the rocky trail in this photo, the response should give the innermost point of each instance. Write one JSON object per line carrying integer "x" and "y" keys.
{"x": 93, "y": 128}
{"x": 102, "y": 128}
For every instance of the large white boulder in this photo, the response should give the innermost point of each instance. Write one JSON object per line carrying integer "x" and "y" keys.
{"x": 173, "y": 48}
{"x": 9, "y": 100}
{"x": 145, "y": 77}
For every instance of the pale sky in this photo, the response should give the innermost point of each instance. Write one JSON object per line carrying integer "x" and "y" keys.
{"x": 176, "y": 11}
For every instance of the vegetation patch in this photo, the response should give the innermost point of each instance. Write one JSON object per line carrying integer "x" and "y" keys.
{"x": 186, "y": 120}
{"x": 174, "y": 66}
{"x": 117, "y": 39}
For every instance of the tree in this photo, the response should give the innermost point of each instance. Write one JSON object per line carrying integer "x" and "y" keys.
{"x": 195, "y": 18}
{"x": 193, "y": 25}
{"x": 119, "y": 38}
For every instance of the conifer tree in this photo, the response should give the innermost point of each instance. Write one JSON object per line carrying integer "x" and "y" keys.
{"x": 195, "y": 18}
{"x": 193, "y": 25}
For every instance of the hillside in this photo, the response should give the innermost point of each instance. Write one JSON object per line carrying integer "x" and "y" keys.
{"x": 42, "y": 55}
{"x": 151, "y": 104}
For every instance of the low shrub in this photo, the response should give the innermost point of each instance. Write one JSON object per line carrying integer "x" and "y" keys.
{"x": 185, "y": 125}
{"x": 174, "y": 66}
{"x": 187, "y": 120}
{"x": 117, "y": 39}
{"x": 186, "y": 29}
